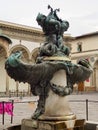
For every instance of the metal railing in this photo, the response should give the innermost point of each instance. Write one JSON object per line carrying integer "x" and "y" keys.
{"x": 86, "y": 107}
{"x": 4, "y": 108}
{"x": 87, "y": 104}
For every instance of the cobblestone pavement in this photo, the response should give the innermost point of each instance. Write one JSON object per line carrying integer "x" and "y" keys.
{"x": 24, "y": 109}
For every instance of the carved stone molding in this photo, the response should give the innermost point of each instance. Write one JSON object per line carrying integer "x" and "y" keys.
{"x": 23, "y": 35}
{"x": 23, "y": 32}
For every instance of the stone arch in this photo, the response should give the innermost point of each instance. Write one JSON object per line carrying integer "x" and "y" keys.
{"x": 26, "y": 52}
{"x": 4, "y": 48}
{"x": 34, "y": 54}
{"x": 95, "y": 74}
{"x": 3, "y": 55}
{"x": 13, "y": 85}
{"x": 4, "y": 42}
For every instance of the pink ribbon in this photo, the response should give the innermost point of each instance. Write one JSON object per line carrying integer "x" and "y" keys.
{"x": 8, "y": 108}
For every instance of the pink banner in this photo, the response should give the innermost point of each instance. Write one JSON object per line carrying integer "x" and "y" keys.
{"x": 8, "y": 108}
{"x": 87, "y": 80}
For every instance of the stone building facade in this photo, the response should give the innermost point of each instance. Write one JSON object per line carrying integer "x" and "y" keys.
{"x": 27, "y": 39}
{"x": 86, "y": 46}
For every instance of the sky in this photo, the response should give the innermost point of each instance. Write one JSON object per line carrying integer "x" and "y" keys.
{"x": 82, "y": 15}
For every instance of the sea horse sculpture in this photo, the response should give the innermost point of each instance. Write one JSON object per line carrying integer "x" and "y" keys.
{"x": 53, "y": 57}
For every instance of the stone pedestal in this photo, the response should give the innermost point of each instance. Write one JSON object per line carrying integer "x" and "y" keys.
{"x": 57, "y": 115}
{"x": 29, "y": 124}
{"x": 57, "y": 107}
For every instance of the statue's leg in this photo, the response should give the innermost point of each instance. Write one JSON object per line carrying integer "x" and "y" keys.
{"x": 40, "y": 107}
{"x": 69, "y": 84}
{"x": 41, "y": 102}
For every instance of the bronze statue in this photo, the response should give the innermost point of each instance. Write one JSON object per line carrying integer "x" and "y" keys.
{"x": 39, "y": 76}
{"x": 51, "y": 24}
{"x": 53, "y": 56}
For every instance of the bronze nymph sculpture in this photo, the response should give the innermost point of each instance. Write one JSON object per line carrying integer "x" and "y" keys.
{"x": 53, "y": 57}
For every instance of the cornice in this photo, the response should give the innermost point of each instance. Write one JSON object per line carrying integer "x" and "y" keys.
{"x": 21, "y": 32}
{"x": 90, "y": 53}
{"x": 20, "y": 27}
{"x": 24, "y": 32}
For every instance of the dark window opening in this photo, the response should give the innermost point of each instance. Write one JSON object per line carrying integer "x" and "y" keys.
{"x": 79, "y": 48}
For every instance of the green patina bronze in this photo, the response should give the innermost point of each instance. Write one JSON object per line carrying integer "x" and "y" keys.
{"x": 53, "y": 56}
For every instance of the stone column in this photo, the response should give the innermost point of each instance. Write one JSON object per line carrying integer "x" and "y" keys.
{"x": 29, "y": 89}
{"x": 94, "y": 77}
{"x": 17, "y": 88}
{"x": 7, "y": 84}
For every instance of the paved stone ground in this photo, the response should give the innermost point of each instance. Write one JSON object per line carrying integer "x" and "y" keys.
{"x": 25, "y": 110}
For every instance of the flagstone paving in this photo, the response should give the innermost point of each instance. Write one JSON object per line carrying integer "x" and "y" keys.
{"x": 24, "y": 108}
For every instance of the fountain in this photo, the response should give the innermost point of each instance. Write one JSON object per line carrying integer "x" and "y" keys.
{"x": 51, "y": 78}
